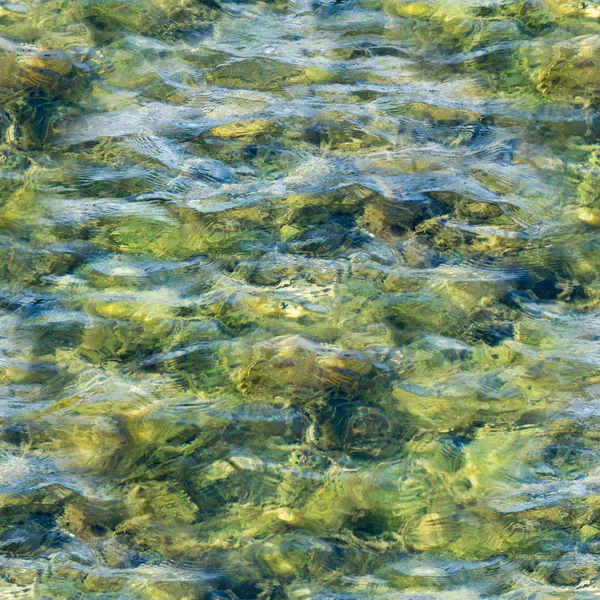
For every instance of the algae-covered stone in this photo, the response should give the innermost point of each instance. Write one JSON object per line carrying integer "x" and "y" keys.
{"x": 590, "y": 216}
{"x": 589, "y": 189}
{"x": 496, "y": 461}
{"x": 434, "y": 409}
{"x": 296, "y": 367}
{"x": 416, "y": 10}
{"x": 91, "y": 444}
{"x": 112, "y": 19}
{"x": 388, "y": 220}
{"x": 20, "y": 542}
{"x": 413, "y": 310}
{"x": 266, "y": 74}
{"x": 571, "y": 71}
{"x": 341, "y": 135}
{"x": 160, "y": 501}
{"x": 367, "y": 430}
{"x": 254, "y": 73}
{"x": 442, "y": 114}
{"x": 244, "y": 129}
{"x": 571, "y": 8}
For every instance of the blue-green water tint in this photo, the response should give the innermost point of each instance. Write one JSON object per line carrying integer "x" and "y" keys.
{"x": 299, "y": 299}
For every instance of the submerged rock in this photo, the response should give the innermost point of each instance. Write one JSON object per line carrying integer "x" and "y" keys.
{"x": 20, "y": 542}
{"x": 266, "y": 74}
{"x": 296, "y": 368}
{"x": 210, "y": 170}
{"x": 367, "y": 431}
{"x": 571, "y": 71}
{"x": 292, "y": 303}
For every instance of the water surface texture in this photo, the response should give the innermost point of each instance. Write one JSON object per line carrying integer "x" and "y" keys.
{"x": 299, "y": 299}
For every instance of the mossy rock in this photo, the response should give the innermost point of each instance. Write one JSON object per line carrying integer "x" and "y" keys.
{"x": 572, "y": 8}
{"x": 297, "y": 369}
{"x": 244, "y": 129}
{"x": 266, "y": 74}
{"x": 589, "y": 189}
{"x": 442, "y": 114}
{"x": 571, "y": 71}
{"x": 344, "y": 136}
{"x": 111, "y": 19}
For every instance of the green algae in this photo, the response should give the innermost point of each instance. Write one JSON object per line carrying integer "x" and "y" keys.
{"x": 266, "y": 74}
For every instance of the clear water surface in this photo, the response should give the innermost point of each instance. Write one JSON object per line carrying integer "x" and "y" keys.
{"x": 299, "y": 299}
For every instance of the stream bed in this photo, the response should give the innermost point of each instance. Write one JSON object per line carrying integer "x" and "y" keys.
{"x": 299, "y": 299}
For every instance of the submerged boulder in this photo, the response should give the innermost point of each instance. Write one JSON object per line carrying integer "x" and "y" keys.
{"x": 570, "y": 71}
{"x": 296, "y": 368}
{"x": 266, "y": 74}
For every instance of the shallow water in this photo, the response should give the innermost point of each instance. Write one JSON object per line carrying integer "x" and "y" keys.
{"x": 300, "y": 299}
